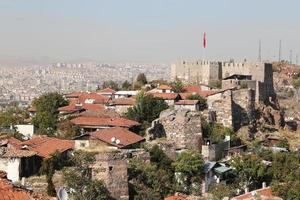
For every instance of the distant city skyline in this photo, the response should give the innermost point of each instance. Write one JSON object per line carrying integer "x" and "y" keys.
{"x": 147, "y": 31}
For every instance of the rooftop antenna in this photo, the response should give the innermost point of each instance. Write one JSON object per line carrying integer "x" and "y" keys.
{"x": 279, "y": 56}
{"x": 259, "y": 51}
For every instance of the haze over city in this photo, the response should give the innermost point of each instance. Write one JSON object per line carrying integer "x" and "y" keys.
{"x": 146, "y": 31}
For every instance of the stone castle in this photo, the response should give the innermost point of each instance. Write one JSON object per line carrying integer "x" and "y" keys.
{"x": 257, "y": 76}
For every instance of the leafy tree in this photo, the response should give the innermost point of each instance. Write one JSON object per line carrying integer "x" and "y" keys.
{"x": 12, "y": 116}
{"x": 126, "y": 85}
{"x": 202, "y": 101}
{"x": 148, "y": 181}
{"x": 249, "y": 168}
{"x": 110, "y": 84}
{"x": 67, "y": 130}
{"x": 147, "y": 108}
{"x": 46, "y": 117}
{"x": 141, "y": 78}
{"x": 79, "y": 178}
{"x": 48, "y": 168}
{"x": 158, "y": 157}
{"x": 177, "y": 85}
{"x": 84, "y": 188}
{"x": 217, "y": 132}
{"x": 188, "y": 167}
{"x": 219, "y": 191}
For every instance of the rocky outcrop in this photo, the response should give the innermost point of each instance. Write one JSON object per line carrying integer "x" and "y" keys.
{"x": 183, "y": 127}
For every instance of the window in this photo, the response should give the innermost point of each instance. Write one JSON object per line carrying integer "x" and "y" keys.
{"x": 82, "y": 144}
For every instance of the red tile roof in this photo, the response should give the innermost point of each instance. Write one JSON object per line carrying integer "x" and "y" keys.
{"x": 73, "y": 95}
{"x": 105, "y": 113}
{"x": 125, "y": 136}
{"x": 84, "y": 106}
{"x": 123, "y": 101}
{"x": 45, "y": 146}
{"x": 166, "y": 96}
{"x": 16, "y": 153}
{"x": 264, "y": 192}
{"x": 106, "y": 90}
{"x": 187, "y": 102}
{"x": 164, "y": 87}
{"x": 98, "y": 98}
{"x": 70, "y": 108}
{"x": 10, "y": 192}
{"x": 87, "y": 106}
{"x": 100, "y": 121}
{"x": 192, "y": 89}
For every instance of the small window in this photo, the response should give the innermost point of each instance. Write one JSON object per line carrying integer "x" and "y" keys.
{"x": 82, "y": 144}
{"x": 110, "y": 168}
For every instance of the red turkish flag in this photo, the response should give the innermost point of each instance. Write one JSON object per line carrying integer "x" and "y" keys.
{"x": 204, "y": 40}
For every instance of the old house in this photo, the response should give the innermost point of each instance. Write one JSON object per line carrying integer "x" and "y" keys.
{"x": 125, "y": 94}
{"x": 121, "y": 105}
{"x": 91, "y": 124}
{"x": 164, "y": 89}
{"x": 111, "y": 138}
{"x": 107, "y": 92}
{"x": 18, "y": 163}
{"x": 44, "y": 146}
{"x": 169, "y": 98}
{"x": 193, "y": 105}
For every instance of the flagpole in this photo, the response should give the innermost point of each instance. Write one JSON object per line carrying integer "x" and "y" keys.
{"x": 204, "y": 47}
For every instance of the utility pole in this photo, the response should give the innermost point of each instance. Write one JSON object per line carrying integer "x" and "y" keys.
{"x": 279, "y": 56}
{"x": 259, "y": 51}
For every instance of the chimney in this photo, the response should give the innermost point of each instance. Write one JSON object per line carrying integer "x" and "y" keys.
{"x": 264, "y": 185}
{"x": 246, "y": 190}
{"x": 23, "y": 181}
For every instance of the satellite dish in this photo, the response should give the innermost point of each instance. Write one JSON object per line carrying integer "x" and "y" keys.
{"x": 62, "y": 194}
{"x": 113, "y": 139}
{"x": 118, "y": 141}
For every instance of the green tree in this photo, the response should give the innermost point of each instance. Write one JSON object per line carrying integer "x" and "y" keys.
{"x": 48, "y": 168}
{"x": 158, "y": 157}
{"x": 148, "y": 181}
{"x": 110, "y": 84}
{"x": 126, "y": 85}
{"x": 12, "y": 116}
{"x": 219, "y": 191}
{"x": 250, "y": 169}
{"x": 177, "y": 85}
{"x": 147, "y": 108}
{"x": 202, "y": 101}
{"x": 217, "y": 132}
{"x": 46, "y": 117}
{"x": 67, "y": 130}
{"x": 78, "y": 177}
{"x": 141, "y": 78}
{"x": 188, "y": 168}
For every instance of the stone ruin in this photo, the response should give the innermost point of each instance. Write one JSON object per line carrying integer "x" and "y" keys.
{"x": 180, "y": 128}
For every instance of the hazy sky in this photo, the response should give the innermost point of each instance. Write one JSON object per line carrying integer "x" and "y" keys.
{"x": 148, "y": 30}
